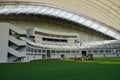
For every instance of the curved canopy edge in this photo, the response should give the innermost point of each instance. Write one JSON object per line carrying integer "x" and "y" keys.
{"x": 50, "y": 10}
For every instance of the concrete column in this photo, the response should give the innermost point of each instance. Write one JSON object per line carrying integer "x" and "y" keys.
{"x": 4, "y": 34}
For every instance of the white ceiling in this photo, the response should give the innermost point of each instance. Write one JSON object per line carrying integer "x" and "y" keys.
{"x": 105, "y": 11}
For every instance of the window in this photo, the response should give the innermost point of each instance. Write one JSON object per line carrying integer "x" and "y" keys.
{"x": 95, "y": 51}
{"x": 35, "y": 50}
{"x": 89, "y": 51}
{"x": 31, "y": 49}
{"x": 39, "y": 51}
{"x": 28, "y": 49}
{"x": 67, "y": 51}
{"x": 78, "y": 51}
{"x": 57, "y": 51}
{"x": 43, "y": 51}
{"x": 101, "y": 51}
{"x": 53, "y": 51}
{"x": 62, "y": 51}
{"x": 73, "y": 51}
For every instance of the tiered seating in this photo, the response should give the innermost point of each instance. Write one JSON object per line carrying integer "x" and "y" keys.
{"x": 98, "y": 44}
{"x": 52, "y": 45}
{"x": 102, "y": 44}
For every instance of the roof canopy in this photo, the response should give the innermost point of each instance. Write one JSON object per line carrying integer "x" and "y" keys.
{"x": 45, "y": 9}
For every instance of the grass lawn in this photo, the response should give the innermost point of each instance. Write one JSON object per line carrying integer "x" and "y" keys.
{"x": 55, "y": 69}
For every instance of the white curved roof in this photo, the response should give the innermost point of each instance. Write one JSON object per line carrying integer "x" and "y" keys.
{"x": 106, "y": 11}
{"x": 100, "y": 13}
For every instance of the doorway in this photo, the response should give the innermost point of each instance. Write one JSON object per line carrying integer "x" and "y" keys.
{"x": 43, "y": 56}
{"x": 62, "y": 55}
{"x": 84, "y": 55}
{"x": 48, "y": 54}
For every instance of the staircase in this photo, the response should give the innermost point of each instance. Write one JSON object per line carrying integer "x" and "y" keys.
{"x": 16, "y": 41}
{"x": 16, "y": 48}
{"x": 16, "y": 53}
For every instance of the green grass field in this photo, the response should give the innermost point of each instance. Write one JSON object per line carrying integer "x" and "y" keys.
{"x": 55, "y": 69}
